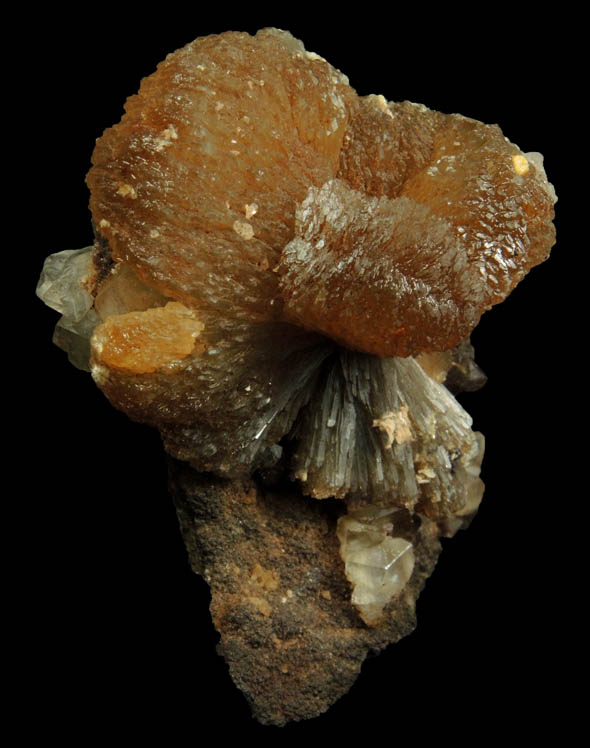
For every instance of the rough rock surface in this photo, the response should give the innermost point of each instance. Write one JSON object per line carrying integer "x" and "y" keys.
{"x": 280, "y": 598}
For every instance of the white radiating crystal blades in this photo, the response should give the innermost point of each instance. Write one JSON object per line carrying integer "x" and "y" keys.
{"x": 383, "y": 428}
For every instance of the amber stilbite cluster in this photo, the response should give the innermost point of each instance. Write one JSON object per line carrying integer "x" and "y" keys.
{"x": 284, "y": 280}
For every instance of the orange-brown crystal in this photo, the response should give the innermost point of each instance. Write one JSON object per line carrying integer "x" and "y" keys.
{"x": 197, "y": 185}
{"x": 432, "y": 220}
{"x": 407, "y": 223}
{"x": 144, "y": 342}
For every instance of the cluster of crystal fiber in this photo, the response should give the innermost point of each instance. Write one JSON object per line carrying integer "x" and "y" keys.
{"x": 284, "y": 280}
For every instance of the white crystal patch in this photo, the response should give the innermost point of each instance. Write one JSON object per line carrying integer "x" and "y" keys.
{"x": 378, "y": 564}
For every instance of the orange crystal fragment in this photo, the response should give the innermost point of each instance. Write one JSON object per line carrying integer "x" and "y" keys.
{"x": 144, "y": 342}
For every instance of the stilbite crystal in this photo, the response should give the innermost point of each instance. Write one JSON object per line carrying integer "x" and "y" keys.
{"x": 284, "y": 280}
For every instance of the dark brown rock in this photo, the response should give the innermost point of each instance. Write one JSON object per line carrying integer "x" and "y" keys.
{"x": 464, "y": 374}
{"x": 280, "y": 599}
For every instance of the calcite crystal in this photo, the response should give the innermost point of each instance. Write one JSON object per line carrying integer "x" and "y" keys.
{"x": 283, "y": 282}
{"x": 378, "y": 561}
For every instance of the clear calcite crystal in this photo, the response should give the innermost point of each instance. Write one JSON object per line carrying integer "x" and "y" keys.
{"x": 377, "y": 563}
{"x": 284, "y": 280}
{"x": 65, "y": 285}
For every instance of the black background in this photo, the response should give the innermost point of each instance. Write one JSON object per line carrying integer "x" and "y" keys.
{"x": 117, "y": 629}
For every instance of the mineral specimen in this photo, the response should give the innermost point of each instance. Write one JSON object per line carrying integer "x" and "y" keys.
{"x": 283, "y": 282}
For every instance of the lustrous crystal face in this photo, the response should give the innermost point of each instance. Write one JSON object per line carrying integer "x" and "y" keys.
{"x": 284, "y": 280}
{"x": 378, "y": 564}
